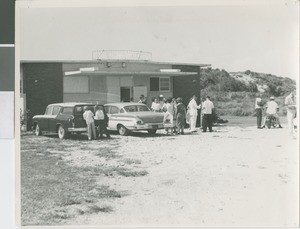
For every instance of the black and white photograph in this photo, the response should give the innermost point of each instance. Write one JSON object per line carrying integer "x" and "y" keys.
{"x": 157, "y": 114}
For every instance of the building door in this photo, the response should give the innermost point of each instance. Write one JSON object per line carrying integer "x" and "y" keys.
{"x": 125, "y": 94}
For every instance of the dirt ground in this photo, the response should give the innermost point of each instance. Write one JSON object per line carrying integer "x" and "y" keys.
{"x": 237, "y": 176}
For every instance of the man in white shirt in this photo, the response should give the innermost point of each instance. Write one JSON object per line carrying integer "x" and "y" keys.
{"x": 193, "y": 112}
{"x": 207, "y": 110}
{"x": 88, "y": 116}
{"x": 271, "y": 110}
{"x": 290, "y": 102}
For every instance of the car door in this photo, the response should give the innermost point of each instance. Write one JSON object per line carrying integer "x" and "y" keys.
{"x": 53, "y": 118}
{"x": 43, "y": 120}
{"x": 114, "y": 117}
{"x": 107, "y": 110}
{"x": 79, "y": 122}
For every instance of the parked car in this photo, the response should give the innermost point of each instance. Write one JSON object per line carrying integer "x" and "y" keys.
{"x": 126, "y": 117}
{"x": 61, "y": 118}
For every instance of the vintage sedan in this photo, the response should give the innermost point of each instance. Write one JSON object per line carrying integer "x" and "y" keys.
{"x": 126, "y": 117}
{"x": 61, "y": 118}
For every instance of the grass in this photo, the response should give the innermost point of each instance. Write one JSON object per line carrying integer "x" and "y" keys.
{"x": 107, "y": 153}
{"x": 131, "y": 161}
{"x": 53, "y": 191}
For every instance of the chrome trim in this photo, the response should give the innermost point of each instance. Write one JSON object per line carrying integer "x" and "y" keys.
{"x": 83, "y": 129}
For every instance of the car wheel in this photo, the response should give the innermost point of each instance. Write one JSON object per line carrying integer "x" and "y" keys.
{"x": 37, "y": 130}
{"x": 152, "y": 131}
{"x": 122, "y": 130}
{"x": 61, "y": 132}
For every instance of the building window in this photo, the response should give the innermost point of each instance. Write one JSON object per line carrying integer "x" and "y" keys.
{"x": 154, "y": 84}
{"x": 76, "y": 84}
{"x": 160, "y": 84}
{"x": 164, "y": 83}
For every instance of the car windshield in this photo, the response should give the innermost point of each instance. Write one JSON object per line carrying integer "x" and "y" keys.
{"x": 136, "y": 108}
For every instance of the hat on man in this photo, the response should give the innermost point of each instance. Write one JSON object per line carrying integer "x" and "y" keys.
{"x": 161, "y": 96}
{"x": 272, "y": 98}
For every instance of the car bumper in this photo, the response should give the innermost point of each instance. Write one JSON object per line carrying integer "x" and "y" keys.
{"x": 83, "y": 129}
{"x": 146, "y": 127}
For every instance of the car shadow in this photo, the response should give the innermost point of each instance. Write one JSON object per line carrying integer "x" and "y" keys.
{"x": 77, "y": 137}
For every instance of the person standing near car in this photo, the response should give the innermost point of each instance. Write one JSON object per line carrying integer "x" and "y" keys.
{"x": 155, "y": 106}
{"x": 143, "y": 99}
{"x": 180, "y": 116}
{"x": 161, "y": 101}
{"x": 101, "y": 121}
{"x": 259, "y": 109}
{"x": 193, "y": 112}
{"x": 207, "y": 110}
{"x": 169, "y": 114}
{"x": 88, "y": 116}
{"x": 290, "y": 102}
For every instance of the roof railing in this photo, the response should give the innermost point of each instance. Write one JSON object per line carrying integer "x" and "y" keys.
{"x": 121, "y": 55}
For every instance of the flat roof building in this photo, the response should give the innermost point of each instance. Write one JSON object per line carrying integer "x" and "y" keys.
{"x": 104, "y": 81}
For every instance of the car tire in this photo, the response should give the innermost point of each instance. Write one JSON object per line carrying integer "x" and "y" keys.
{"x": 62, "y": 134}
{"x": 123, "y": 130}
{"x": 37, "y": 130}
{"x": 152, "y": 131}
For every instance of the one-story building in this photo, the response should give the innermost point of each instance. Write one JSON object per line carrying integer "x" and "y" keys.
{"x": 104, "y": 81}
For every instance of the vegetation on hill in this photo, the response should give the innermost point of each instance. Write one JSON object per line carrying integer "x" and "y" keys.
{"x": 234, "y": 93}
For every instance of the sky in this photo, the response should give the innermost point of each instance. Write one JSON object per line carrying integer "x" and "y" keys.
{"x": 261, "y": 38}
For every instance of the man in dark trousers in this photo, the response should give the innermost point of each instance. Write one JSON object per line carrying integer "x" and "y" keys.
{"x": 207, "y": 110}
{"x": 259, "y": 109}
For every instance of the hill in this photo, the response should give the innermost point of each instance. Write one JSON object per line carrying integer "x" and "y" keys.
{"x": 234, "y": 93}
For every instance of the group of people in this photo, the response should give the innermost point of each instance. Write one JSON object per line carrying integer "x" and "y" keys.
{"x": 176, "y": 115}
{"x": 206, "y": 107}
{"x": 96, "y": 122}
{"x": 271, "y": 109}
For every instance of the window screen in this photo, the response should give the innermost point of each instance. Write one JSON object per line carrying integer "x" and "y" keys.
{"x": 154, "y": 84}
{"x": 76, "y": 84}
{"x": 164, "y": 84}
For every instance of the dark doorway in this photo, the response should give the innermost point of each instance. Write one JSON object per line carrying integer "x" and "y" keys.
{"x": 125, "y": 94}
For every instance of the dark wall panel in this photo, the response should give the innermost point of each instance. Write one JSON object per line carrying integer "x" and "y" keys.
{"x": 43, "y": 84}
{"x": 7, "y": 68}
{"x": 7, "y": 21}
{"x": 187, "y": 86}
